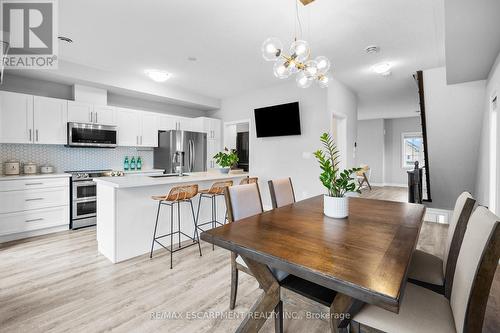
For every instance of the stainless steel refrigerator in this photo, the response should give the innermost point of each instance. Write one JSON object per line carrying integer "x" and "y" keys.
{"x": 181, "y": 150}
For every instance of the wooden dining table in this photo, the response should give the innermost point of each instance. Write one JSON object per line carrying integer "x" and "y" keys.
{"x": 364, "y": 258}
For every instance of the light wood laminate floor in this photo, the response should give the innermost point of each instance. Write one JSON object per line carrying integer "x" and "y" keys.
{"x": 59, "y": 283}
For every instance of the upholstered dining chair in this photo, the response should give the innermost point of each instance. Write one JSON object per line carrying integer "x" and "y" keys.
{"x": 423, "y": 310}
{"x": 243, "y": 201}
{"x": 282, "y": 193}
{"x": 433, "y": 272}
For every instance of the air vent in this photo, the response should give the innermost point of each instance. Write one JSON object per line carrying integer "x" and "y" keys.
{"x": 65, "y": 39}
{"x": 372, "y": 49}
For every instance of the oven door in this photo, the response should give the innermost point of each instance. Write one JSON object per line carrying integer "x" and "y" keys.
{"x": 84, "y": 208}
{"x": 84, "y": 190}
{"x": 92, "y": 135}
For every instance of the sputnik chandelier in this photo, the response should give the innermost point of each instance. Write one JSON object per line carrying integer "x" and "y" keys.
{"x": 298, "y": 61}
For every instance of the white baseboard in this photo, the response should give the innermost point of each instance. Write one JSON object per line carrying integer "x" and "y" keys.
{"x": 33, "y": 233}
{"x": 388, "y": 184}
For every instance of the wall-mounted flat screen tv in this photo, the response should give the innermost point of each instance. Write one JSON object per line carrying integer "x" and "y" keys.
{"x": 278, "y": 120}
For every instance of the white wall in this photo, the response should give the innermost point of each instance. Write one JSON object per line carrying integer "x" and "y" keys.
{"x": 454, "y": 116}
{"x": 371, "y": 147}
{"x": 395, "y": 174}
{"x": 483, "y": 178}
{"x": 290, "y": 156}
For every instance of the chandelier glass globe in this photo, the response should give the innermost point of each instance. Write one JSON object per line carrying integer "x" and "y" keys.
{"x": 323, "y": 64}
{"x": 311, "y": 68}
{"x": 300, "y": 50}
{"x": 271, "y": 49}
{"x": 281, "y": 69}
{"x": 324, "y": 80}
{"x": 303, "y": 80}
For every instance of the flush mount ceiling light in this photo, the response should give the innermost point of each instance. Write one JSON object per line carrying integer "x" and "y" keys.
{"x": 298, "y": 60}
{"x": 372, "y": 49}
{"x": 383, "y": 68}
{"x": 157, "y": 75}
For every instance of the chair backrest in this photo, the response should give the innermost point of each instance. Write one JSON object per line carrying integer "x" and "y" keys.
{"x": 281, "y": 192}
{"x": 456, "y": 230}
{"x": 218, "y": 187}
{"x": 243, "y": 201}
{"x": 183, "y": 192}
{"x": 249, "y": 180}
{"x": 476, "y": 266}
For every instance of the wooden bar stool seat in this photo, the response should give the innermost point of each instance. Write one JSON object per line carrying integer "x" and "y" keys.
{"x": 217, "y": 189}
{"x": 177, "y": 195}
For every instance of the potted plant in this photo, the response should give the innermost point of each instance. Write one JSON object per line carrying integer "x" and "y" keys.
{"x": 226, "y": 159}
{"x": 338, "y": 183}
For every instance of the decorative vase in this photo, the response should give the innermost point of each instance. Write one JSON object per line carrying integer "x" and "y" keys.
{"x": 336, "y": 207}
{"x": 224, "y": 170}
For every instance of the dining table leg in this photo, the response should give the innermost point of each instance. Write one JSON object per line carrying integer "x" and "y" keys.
{"x": 342, "y": 310}
{"x": 268, "y": 301}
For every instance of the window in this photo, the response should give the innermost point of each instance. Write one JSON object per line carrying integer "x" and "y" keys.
{"x": 413, "y": 150}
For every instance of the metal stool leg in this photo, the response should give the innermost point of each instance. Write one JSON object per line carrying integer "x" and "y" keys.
{"x": 197, "y": 215}
{"x": 171, "y": 234}
{"x": 214, "y": 217}
{"x": 154, "y": 234}
{"x": 197, "y": 237}
{"x": 179, "y": 221}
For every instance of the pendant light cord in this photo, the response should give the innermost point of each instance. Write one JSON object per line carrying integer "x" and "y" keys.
{"x": 298, "y": 19}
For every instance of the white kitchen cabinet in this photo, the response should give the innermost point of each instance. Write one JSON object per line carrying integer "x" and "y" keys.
{"x": 167, "y": 123}
{"x": 213, "y": 147}
{"x": 87, "y": 113}
{"x": 16, "y": 117}
{"x": 149, "y": 130}
{"x": 49, "y": 120}
{"x": 31, "y": 207}
{"x": 80, "y": 112}
{"x": 128, "y": 122}
{"x": 104, "y": 115}
{"x": 211, "y": 126}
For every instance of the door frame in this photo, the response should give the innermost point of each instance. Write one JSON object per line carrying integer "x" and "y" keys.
{"x": 341, "y": 138}
{"x": 236, "y": 122}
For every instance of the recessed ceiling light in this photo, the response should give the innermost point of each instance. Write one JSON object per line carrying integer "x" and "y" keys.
{"x": 383, "y": 68}
{"x": 192, "y": 58}
{"x": 157, "y": 75}
{"x": 65, "y": 39}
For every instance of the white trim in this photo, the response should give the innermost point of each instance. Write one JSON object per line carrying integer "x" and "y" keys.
{"x": 435, "y": 215}
{"x": 33, "y": 233}
{"x": 236, "y": 122}
{"x": 388, "y": 184}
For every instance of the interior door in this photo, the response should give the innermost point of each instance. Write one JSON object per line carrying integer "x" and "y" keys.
{"x": 16, "y": 118}
{"x": 50, "y": 120}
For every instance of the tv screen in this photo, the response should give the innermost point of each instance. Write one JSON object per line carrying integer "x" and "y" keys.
{"x": 278, "y": 120}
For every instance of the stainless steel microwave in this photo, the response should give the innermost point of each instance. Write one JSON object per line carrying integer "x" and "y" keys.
{"x": 92, "y": 135}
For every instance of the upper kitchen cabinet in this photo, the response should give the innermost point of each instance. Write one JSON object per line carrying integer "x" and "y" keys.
{"x": 87, "y": 113}
{"x": 16, "y": 118}
{"x": 49, "y": 120}
{"x": 149, "y": 130}
{"x": 167, "y": 123}
{"x": 32, "y": 119}
{"x": 137, "y": 128}
{"x": 211, "y": 126}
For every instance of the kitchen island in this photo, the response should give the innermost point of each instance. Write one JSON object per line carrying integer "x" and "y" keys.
{"x": 126, "y": 213}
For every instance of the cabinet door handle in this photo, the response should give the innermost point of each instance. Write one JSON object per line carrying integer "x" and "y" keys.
{"x": 90, "y": 116}
{"x": 36, "y": 135}
{"x": 34, "y": 199}
{"x": 30, "y": 134}
{"x": 141, "y": 139}
{"x": 32, "y": 184}
{"x": 96, "y": 118}
{"x": 34, "y": 220}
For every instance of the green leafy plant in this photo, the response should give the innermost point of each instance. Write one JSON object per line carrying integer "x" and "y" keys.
{"x": 337, "y": 182}
{"x": 226, "y": 158}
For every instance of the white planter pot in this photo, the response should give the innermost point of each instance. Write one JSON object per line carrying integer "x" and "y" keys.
{"x": 336, "y": 207}
{"x": 224, "y": 170}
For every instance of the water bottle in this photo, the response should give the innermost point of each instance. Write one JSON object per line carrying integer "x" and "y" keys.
{"x": 139, "y": 163}
{"x": 126, "y": 165}
{"x": 132, "y": 163}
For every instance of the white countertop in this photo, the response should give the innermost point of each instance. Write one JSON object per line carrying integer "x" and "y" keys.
{"x": 138, "y": 172}
{"x": 36, "y": 176}
{"x": 130, "y": 181}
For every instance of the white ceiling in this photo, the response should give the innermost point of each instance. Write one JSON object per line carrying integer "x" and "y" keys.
{"x": 472, "y": 39}
{"x": 127, "y": 37}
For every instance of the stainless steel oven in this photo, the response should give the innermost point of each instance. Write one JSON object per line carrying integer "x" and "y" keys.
{"x": 92, "y": 135}
{"x": 84, "y": 203}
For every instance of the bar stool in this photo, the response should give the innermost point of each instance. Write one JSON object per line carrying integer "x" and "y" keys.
{"x": 176, "y": 195}
{"x": 249, "y": 180}
{"x": 216, "y": 190}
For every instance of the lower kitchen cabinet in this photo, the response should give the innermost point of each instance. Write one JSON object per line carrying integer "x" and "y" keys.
{"x": 33, "y": 206}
